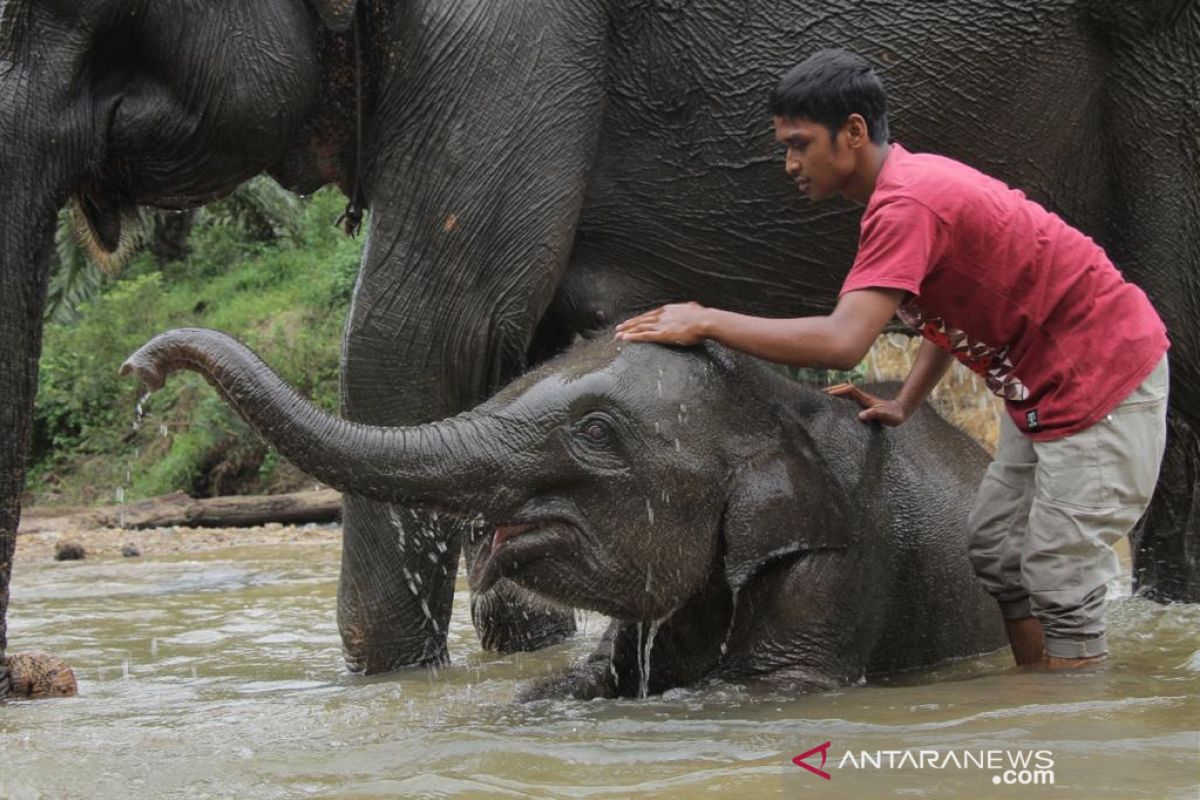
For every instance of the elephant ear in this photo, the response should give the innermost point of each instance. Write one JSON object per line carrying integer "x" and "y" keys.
{"x": 781, "y": 505}
{"x": 336, "y": 15}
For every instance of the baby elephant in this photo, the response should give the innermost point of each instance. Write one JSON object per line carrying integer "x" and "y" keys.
{"x": 731, "y": 522}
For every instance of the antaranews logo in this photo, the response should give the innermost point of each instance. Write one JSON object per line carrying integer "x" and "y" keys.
{"x": 1009, "y": 767}
{"x": 823, "y": 749}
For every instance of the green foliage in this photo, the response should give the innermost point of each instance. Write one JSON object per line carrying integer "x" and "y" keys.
{"x": 257, "y": 212}
{"x": 287, "y": 299}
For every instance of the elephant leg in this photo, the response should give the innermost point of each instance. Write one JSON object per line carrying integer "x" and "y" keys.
{"x": 472, "y": 220}
{"x": 396, "y": 588}
{"x": 22, "y": 293}
{"x": 1156, "y": 242}
{"x": 23, "y": 296}
{"x": 399, "y": 565}
{"x": 31, "y": 191}
{"x": 1166, "y": 544}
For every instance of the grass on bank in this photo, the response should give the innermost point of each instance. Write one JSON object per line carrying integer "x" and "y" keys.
{"x": 286, "y": 299}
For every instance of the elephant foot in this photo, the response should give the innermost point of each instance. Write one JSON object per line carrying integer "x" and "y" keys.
{"x": 509, "y": 620}
{"x": 365, "y": 655}
{"x": 40, "y": 675}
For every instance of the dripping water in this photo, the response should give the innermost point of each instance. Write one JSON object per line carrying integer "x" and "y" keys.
{"x": 645, "y": 648}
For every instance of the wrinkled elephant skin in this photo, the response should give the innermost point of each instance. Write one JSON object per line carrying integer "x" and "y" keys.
{"x": 540, "y": 168}
{"x": 731, "y": 521}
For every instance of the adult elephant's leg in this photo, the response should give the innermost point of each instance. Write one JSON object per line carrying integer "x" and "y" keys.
{"x": 412, "y": 357}
{"x": 477, "y": 180}
{"x": 1152, "y": 97}
{"x": 22, "y": 294}
{"x": 28, "y": 200}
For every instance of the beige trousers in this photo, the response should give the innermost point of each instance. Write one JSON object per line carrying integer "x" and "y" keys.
{"x": 1048, "y": 513}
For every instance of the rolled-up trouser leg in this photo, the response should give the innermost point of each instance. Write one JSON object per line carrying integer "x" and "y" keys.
{"x": 998, "y": 521}
{"x": 1092, "y": 488}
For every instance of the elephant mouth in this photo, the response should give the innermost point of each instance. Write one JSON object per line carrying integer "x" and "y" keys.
{"x": 511, "y": 546}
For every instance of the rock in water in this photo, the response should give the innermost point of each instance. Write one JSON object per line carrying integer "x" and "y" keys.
{"x": 69, "y": 551}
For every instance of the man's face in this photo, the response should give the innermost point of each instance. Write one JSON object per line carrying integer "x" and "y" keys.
{"x": 818, "y": 162}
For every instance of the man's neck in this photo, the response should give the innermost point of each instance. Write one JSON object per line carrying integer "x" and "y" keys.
{"x": 861, "y": 184}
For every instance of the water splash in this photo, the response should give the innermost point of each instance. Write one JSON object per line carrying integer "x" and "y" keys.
{"x": 612, "y": 663}
{"x": 139, "y": 411}
{"x": 729, "y": 627}
{"x": 408, "y": 579}
{"x": 398, "y": 524}
{"x": 649, "y": 512}
{"x": 645, "y": 648}
{"x": 429, "y": 616}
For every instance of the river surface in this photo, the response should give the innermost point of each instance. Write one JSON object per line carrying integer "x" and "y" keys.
{"x": 219, "y": 674}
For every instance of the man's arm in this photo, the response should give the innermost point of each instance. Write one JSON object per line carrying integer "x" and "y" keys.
{"x": 838, "y": 341}
{"x": 927, "y": 370}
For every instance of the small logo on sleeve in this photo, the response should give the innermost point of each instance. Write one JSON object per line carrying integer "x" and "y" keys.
{"x": 1031, "y": 419}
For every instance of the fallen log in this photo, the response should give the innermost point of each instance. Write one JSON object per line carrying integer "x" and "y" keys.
{"x": 179, "y": 510}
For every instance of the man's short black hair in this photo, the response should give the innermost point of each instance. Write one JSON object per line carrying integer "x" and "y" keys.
{"x": 829, "y": 86}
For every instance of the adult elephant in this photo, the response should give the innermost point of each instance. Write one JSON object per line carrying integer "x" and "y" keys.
{"x": 535, "y": 168}
{"x": 732, "y": 522}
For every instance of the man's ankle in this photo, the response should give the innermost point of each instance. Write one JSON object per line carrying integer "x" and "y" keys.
{"x": 1027, "y": 640}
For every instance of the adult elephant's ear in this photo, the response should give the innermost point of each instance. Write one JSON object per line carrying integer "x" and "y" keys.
{"x": 779, "y": 506}
{"x": 337, "y": 15}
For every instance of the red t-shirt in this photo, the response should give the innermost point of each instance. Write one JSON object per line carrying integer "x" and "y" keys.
{"x": 1013, "y": 292}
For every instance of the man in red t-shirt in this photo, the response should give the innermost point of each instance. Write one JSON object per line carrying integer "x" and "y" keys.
{"x": 995, "y": 281}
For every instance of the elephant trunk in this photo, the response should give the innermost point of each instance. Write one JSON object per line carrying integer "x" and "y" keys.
{"x": 451, "y": 464}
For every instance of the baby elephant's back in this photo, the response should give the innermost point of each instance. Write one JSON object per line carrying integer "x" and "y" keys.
{"x": 922, "y": 478}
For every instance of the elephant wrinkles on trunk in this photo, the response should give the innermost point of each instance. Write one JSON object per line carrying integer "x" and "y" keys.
{"x": 537, "y": 169}
{"x": 730, "y": 521}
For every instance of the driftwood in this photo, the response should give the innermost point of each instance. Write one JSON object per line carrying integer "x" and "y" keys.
{"x": 323, "y": 505}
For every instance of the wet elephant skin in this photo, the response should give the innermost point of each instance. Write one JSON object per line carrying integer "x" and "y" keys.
{"x": 732, "y": 522}
{"x": 536, "y": 169}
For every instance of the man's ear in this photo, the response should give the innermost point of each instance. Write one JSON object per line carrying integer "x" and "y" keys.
{"x": 780, "y": 505}
{"x": 857, "y": 130}
{"x": 336, "y": 15}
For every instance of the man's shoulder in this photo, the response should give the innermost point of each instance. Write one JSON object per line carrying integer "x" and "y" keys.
{"x": 935, "y": 182}
{"x": 916, "y": 173}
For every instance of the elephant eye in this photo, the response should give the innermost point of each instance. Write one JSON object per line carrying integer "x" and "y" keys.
{"x": 596, "y": 430}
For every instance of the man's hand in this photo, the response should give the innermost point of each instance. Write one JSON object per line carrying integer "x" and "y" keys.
{"x": 875, "y": 409}
{"x": 678, "y": 323}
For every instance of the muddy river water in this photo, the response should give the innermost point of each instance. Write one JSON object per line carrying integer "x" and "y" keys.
{"x": 219, "y": 674}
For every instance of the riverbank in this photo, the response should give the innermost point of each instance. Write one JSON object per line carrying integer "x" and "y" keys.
{"x": 108, "y": 543}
